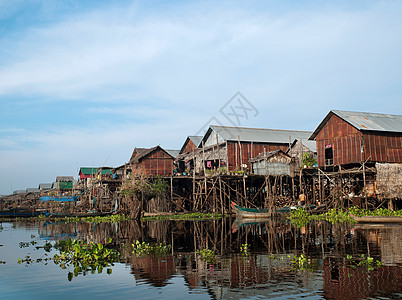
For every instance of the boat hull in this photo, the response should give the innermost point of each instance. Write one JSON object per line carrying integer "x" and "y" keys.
{"x": 258, "y": 213}
{"x": 378, "y": 219}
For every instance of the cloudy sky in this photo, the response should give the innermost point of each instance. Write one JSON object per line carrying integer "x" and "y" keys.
{"x": 84, "y": 82}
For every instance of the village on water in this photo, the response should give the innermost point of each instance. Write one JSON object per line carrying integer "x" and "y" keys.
{"x": 349, "y": 159}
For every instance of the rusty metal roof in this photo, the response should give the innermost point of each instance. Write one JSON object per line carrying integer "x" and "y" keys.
{"x": 365, "y": 121}
{"x": 142, "y": 152}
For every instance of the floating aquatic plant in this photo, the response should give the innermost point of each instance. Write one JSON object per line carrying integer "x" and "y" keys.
{"x": 244, "y": 249}
{"x": 189, "y": 216}
{"x": 144, "y": 248}
{"x": 207, "y": 255}
{"x": 363, "y": 261}
{"x": 82, "y": 256}
{"x": 300, "y": 217}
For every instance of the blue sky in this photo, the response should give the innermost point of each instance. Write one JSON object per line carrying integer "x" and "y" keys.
{"x": 84, "y": 82}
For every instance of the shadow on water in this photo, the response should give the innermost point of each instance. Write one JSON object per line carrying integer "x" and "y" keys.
{"x": 237, "y": 258}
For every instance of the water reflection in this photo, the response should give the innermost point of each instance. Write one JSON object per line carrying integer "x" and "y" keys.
{"x": 332, "y": 255}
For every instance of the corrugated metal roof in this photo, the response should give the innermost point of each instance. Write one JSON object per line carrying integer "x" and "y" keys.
{"x": 257, "y": 135}
{"x": 142, "y": 152}
{"x": 19, "y": 192}
{"x": 196, "y": 139}
{"x": 88, "y": 171}
{"x": 310, "y": 145}
{"x": 365, "y": 121}
{"x": 173, "y": 153}
{"x": 94, "y": 171}
{"x": 45, "y": 186}
{"x": 64, "y": 178}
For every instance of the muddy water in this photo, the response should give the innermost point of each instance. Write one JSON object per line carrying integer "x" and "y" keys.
{"x": 268, "y": 260}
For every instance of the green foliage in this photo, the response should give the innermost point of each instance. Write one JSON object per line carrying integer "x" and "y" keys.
{"x": 366, "y": 262}
{"x": 301, "y": 263}
{"x": 244, "y": 249}
{"x": 144, "y": 248}
{"x": 96, "y": 219}
{"x": 190, "y": 216}
{"x": 299, "y": 217}
{"x": 308, "y": 160}
{"x": 334, "y": 216}
{"x": 136, "y": 185}
{"x": 83, "y": 257}
{"x": 207, "y": 255}
{"x": 380, "y": 212}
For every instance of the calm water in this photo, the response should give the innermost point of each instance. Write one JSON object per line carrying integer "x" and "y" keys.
{"x": 331, "y": 269}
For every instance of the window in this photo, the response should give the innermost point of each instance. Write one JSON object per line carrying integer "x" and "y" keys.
{"x": 329, "y": 155}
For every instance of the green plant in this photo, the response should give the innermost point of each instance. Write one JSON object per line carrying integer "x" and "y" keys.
{"x": 299, "y": 217}
{"x": 144, "y": 248}
{"x": 244, "y": 249}
{"x": 364, "y": 261}
{"x": 301, "y": 263}
{"x": 207, "y": 255}
{"x": 308, "y": 160}
{"x": 137, "y": 185}
{"x": 189, "y": 216}
{"x": 83, "y": 257}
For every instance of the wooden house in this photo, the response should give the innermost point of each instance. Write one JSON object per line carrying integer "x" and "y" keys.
{"x": 44, "y": 188}
{"x": 151, "y": 161}
{"x": 346, "y": 138}
{"x": 272, "y": 163}
{"x": 232, "y": 148}
{"x": 299, "y": 148}
{"x": 64, "y": 183}
{"x": 191, "y": 144}
{"x": 186, "y": 158}
{"x": 86, "y": 172}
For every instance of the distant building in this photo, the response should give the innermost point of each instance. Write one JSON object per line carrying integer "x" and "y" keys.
{"x": 64, "y": 183}
{"x": 89, "y": 172}
{"x": 151, "y": 161}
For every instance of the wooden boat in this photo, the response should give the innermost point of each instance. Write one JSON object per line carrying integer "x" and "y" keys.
{"x": 244, "y": 222}
{"x": 79, "y": 215}
{"x": 377, "y": 219}
{"x": 21, "y": 213}
{"x": 257, "y": 213}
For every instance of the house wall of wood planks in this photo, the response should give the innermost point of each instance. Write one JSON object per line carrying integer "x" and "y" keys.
{"x": 156, "y": 163}
{"x": 239, "y": 154}
{"x": 349, "y": 145}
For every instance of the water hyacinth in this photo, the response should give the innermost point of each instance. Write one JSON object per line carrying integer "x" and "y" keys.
{"x": 81, "y": 256}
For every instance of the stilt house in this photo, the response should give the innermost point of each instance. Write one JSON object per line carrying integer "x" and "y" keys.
{"x": 232, "y": 148}
{"x": 346, "y": 137}
{"x": 151, "y": 161}
{"x": 186, "y": 157}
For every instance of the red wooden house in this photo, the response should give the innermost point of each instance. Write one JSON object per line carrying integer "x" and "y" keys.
{"x": 345, "y": 138}
{"x": 191, "y": 144}
{"x": 152, "y": 161}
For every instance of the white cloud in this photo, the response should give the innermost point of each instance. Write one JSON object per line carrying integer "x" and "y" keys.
{"x": 173, "y": 71}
